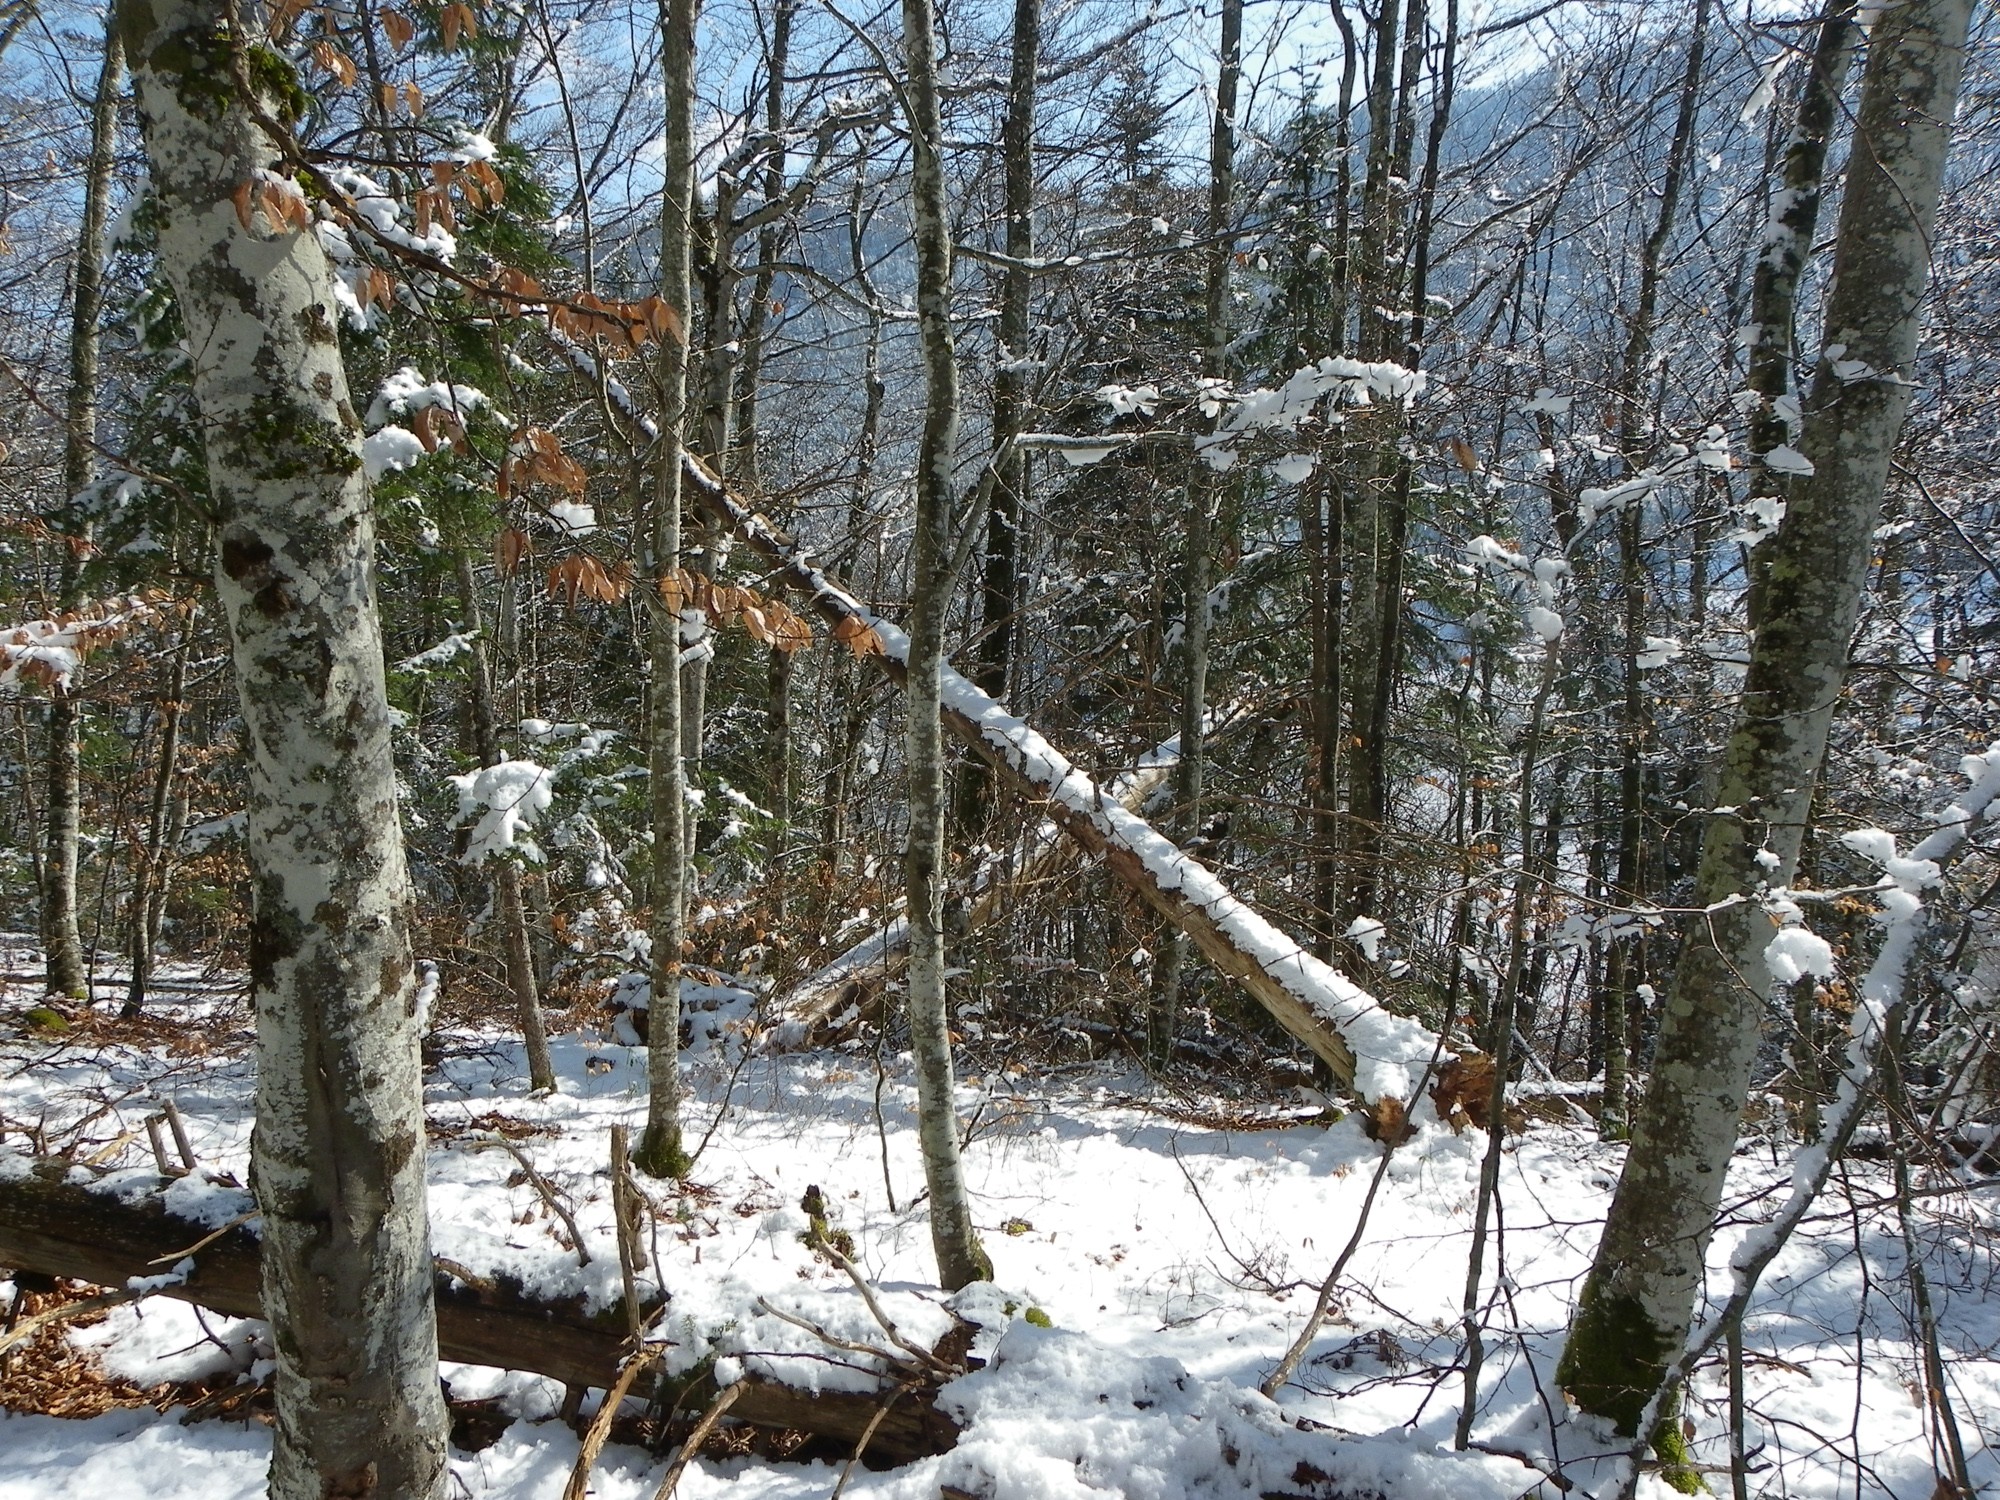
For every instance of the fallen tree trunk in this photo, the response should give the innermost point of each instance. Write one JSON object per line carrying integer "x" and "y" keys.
{"x": 1379, "y": 1055}
{"x": 62, "y": 1227}
{"x": 861, "y": 973}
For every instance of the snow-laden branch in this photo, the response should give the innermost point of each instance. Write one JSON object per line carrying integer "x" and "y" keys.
{"x": 47, "y": 653}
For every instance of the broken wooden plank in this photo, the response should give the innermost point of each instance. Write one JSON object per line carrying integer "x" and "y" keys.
{"x": 1379, "y": 1055}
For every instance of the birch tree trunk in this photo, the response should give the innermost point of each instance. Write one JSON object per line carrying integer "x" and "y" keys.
{"x": 660, "y": 1152}
{"x": 1637, "y": 1304}
{"x": 959, "y": 1256}
{"x": 1788, "y": 241}
{"x": 338, "y": 1159}
{"x": 61, "y": 940}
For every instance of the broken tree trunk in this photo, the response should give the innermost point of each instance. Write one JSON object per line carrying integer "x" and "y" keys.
{"x": 1379, "y": 1055}
{"x": 60, "y": 1227}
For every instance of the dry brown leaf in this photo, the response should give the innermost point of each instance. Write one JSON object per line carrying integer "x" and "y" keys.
{"x": 788, "y": 631}
{"x": 398, "y": 28}
{"x": 1467, "y": 459}
{"x": 452, "y": 429}
{"x": 859, "y": 638}
{"x": 284, "y": 12}
{"x": 519, "y": 284}
{"x": 332, "y": 60}
{"x": 241, "y": 198}
{"x": 490, "y": 180}
{"x": 509, "y": 547}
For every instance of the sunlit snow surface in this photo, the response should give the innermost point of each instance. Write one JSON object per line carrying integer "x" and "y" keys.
{"x": 1176, "y": 1263}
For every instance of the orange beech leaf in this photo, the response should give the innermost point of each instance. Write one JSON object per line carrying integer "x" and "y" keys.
{"x": 859, "y": 638}
{"x": 334, "y": 61}
{"x": 413, "y": 100}
{"x": 241, "y": 198}
{"x": 674, "y": 589}
{"x": 284, "y": 13}
{"x": 490, "y": 180}
{"x": 423, "y": 426}
{"x": 398, "y": 28}
{"x": 519, "y": 284}
{"x": 509, "y": 548}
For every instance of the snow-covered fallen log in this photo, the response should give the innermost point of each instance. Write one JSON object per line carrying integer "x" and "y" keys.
{"x": 61, "y": 1219}
{"x": 1380, "y": 1055}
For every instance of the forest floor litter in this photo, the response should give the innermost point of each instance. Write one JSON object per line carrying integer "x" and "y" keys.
{"x": 1171, "y": 1261}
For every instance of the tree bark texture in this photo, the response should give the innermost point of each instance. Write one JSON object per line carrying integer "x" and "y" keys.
{"x": 959, "y": 1256}
{"x": 1788, "y": 242}
{"x": 339, "y": 1147}
{"x": 660, "y": 1152}
{"x": 1637, "y": 1303}
{"x": 1012, "y": 395}
{"x": 1204, "y": 492}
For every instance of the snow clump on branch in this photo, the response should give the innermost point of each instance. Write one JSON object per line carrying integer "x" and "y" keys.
{"x": 506, "y": 798}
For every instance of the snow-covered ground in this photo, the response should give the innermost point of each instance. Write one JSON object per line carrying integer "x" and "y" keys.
{"x": 1175, "y": 1263}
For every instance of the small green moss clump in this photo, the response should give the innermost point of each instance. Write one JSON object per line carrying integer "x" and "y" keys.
{"x": 46, "y": 1018}
{"x": 830, "y": 1243}
{"x": 1670, "y": 1445}
{"x": 1037, "y": 1317}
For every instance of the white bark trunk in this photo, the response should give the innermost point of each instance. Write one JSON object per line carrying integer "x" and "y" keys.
{"x": 339, "y": 1147}
{"x": 62, "y": 939}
